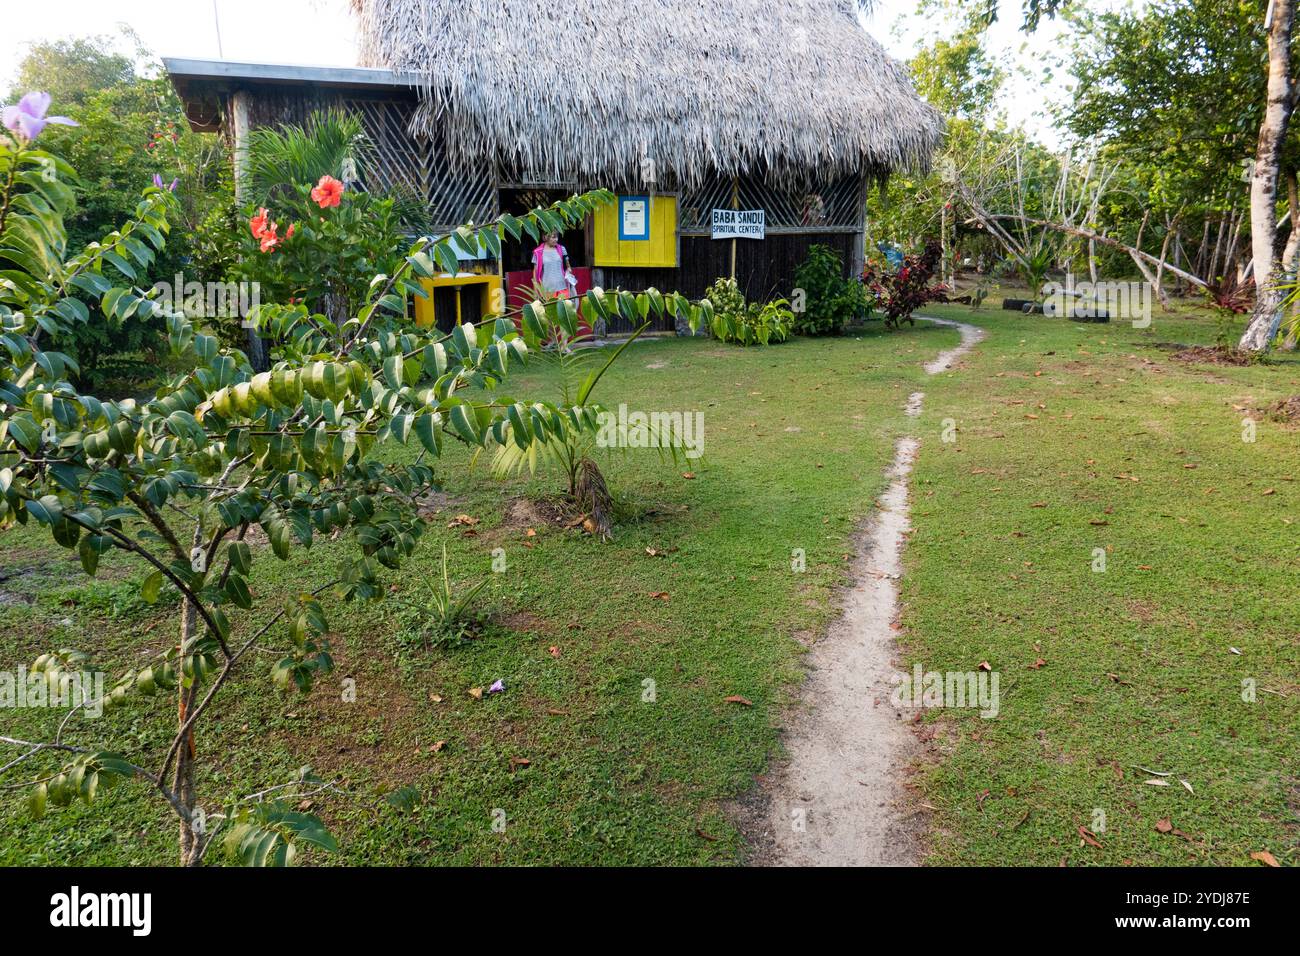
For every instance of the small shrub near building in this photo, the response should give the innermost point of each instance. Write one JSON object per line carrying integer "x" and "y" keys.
{"x": 747, "y": 323}
{"x": 830, "y": 301}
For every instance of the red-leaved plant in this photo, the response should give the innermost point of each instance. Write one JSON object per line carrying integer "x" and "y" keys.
{"x": 899, "y": 294}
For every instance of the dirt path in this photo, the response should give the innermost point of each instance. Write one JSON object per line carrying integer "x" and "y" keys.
{"x": 839, "y": 798}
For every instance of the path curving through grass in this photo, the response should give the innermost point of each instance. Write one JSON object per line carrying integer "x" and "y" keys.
{"x": 839, "y": 799}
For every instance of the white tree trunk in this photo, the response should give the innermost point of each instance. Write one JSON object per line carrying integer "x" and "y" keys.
{"x": 1263, "y": 184}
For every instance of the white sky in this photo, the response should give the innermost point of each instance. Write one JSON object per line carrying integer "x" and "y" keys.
{"x": 322, "y": 32}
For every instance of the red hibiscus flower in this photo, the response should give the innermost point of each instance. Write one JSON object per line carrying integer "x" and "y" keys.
{"x": 269, "y": 232}
{"x": 258, "y": 223}
{"x": 328, "y": 192}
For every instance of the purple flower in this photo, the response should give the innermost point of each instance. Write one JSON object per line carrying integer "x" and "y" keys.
{"x": 28, "y": 118}
{"x": 497, "y": 687}
{"x": 157, "y": 181}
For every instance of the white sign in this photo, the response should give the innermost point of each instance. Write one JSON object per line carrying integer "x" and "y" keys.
{"x": 634, "y": 219}
{"x": 739, "y": 224}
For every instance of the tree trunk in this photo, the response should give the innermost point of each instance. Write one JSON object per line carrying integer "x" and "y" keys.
{"x": 1201, "y": 251}
{"x": 1213, "y": 273}
{"x": 1291, "y": 254}
{"x": 183, "y": 780}
{"x": 1263, "y": 184}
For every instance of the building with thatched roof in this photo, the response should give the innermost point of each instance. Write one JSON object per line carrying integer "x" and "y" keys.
{"x": 700, "y": 114}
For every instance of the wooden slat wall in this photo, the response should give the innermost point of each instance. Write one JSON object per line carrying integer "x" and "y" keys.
{"x": 764, "y": 267}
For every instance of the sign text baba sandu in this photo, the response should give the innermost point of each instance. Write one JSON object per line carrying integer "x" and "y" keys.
{"x": 739, "y": 223}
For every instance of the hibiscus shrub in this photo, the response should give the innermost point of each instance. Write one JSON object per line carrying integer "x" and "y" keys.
{"x": 320, "y": 244}
{"x": 899, "y": 294}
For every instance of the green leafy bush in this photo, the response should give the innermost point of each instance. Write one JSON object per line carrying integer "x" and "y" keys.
{"x": 309, "y": 235}
{"x": 130, "y": 131}
{"x": 747, "y": 323}
{"x": 176, "y": 481}
{"x": 830, "y": 301}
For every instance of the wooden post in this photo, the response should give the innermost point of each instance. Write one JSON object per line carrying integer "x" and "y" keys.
{"x": 735, "y": 204}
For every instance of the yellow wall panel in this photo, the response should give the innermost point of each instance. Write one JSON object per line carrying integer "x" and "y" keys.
{"x": 657, "y": 252}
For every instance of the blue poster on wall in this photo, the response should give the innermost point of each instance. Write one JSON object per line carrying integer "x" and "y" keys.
{"x": 633, "y": 218}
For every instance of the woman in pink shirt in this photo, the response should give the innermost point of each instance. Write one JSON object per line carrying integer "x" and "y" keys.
{"x": 551, "y": 264}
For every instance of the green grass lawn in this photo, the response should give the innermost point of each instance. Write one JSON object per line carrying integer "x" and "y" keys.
{"x": 796, "y": 439}
{"x": 1139, "y": 669}
{"x": 1072, "y": 437}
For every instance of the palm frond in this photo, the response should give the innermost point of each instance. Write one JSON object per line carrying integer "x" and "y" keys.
{"x": 302, "y": 154}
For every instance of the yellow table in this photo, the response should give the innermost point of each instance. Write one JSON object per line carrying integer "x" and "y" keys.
{"x": 491, "y": 298}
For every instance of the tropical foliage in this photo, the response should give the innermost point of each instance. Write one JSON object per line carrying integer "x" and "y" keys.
{"x": 900, "y": 293}
{"x": 131, "y": 131}
{"x": 747, "y": 323}
{"x": 179, "y": 481}
{"x": 829, "y": 300}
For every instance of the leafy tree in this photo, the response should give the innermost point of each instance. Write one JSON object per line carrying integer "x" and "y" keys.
{"x": 957, "y": 76}
{"x": 1177, "y": 87}
{"x": 177, "y": 481}
{"x": 130, "y": 129}
{"x": 72, "y": 71}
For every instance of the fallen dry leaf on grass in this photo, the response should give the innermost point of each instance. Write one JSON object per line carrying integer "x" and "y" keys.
{"x": 462, "y": 520}
{"x": 1037, "y": 664}
{"x": 476, "y": 693}
{"x": 1263, "y": 856}
{"x": 659, "y": 595}
{"x": 553, "y": 651}
{"x": 519, "y": 762}
{"x": 436, "y": 746}
{"x": 737, "y": 699}
{"x": 1089, "y": 837}
{"x": 705, "y": 836}
{"x": 1165, "y": 825}
{"x": 688, "y": 475}
{"x": 985, "y": 666}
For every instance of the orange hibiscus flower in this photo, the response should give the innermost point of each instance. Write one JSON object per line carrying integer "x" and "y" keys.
{"x": 259, "y": 223}
{"x": 328, "y": 192}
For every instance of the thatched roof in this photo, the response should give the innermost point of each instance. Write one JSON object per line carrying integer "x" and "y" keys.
{"x": 596, "y": 89}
